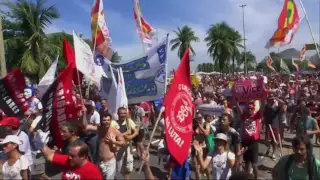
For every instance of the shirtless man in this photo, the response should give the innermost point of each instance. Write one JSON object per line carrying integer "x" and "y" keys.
{"x": 109, "y": 140}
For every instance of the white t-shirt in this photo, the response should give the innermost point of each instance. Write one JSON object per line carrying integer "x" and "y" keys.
{"x": 94, "y": 118}
{"x": 14, "y": 172}
{"x": 35, "y": 104}
{"x": 220, "y": 171}
{"x": 25, "y": 147}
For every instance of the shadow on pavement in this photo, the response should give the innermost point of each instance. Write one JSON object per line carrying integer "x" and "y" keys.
{"x": 158, "y": 173}
{"x": 264, "y": 168}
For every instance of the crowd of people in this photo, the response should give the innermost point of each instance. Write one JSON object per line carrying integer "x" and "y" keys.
{"x": 225, "y": 145}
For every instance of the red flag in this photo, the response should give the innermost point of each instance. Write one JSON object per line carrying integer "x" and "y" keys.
{"x": 12, "y": 100}
{"x": 59, "y": 106}
{"x": 69, "y": 56}
{"x": 179, "y": 112}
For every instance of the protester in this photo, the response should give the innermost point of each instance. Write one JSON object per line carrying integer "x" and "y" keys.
{"x": 110, "y": 139}
{"x": 222, "y": 159}
{"x": 129, "y": 131}
{"x": 12, "y": 125}
{"x": 75, "y": 165}
{"x": 91, "y": 138}
{"x": 16, "y": 165}
{"x": 138, "y": 114}
{"x": 301, "y": 165}
{"x": 250, "y": 135}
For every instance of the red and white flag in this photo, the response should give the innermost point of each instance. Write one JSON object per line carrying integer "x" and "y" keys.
{"x": 58, "y": 105}
{"x": 179, "y": 112}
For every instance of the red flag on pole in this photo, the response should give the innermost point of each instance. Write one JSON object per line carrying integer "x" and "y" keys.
{"x": 69, "y": 56}
{"x": 179, "y": 112}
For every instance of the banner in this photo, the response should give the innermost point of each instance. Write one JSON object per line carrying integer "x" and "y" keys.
{"x": 58, "y": 105}
{"x": 144, "y": 78}
{"x": 12, "y": 100}
{"x": 211, "y": 109}
{"x": 178, "y": 112}
{"x": 249, "y": 90}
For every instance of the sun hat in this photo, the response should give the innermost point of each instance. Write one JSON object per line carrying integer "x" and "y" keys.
{"x": 11, "y": 139}
{"x": 221, "y": 136}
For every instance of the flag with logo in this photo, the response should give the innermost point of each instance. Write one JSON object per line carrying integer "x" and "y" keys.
{"x": 145, "y": 31}
{"x": 179, "y": 112}
{"x": 48, "y": 78}
{"x": 12, "y": 100}
{"x": 269, "y": 63}
{"x": 144, "y": 77}
{"x": 288, "y": 23}
{"x": 101, "y": 38}
{"x": 90, "y": 67}
{"x": 284, "y": 67}
{"x": 58, "y": 105}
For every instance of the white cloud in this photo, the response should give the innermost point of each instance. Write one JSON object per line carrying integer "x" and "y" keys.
{"x": 260, "y": 23}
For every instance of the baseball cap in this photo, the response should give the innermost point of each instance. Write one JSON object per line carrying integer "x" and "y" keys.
{"x": 11, "y": 139}
{"x": 221, "y": 136}
{"x": 10, "y": 121}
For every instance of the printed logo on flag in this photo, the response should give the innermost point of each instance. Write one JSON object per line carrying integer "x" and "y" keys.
{"x": 161, "y": 75}
{"x": 180, "y": 110}
{"x": 99, "y": 60}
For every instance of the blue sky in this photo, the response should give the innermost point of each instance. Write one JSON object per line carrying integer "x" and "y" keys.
{"x": 166, "y": 15}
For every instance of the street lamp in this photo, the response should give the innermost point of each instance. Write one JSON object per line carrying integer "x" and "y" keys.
{"x": 244, "y": 42}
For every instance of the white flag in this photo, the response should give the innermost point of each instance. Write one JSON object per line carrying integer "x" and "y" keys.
{"x": 122, "y": 95}
{"x": 90, "y": 68}
{"x": 112, "y": 97}
{"x": 47, "y": 79}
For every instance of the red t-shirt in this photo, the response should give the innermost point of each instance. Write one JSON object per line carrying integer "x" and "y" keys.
{"x": 87, "y": 171}
{"x": 251, "y": 126}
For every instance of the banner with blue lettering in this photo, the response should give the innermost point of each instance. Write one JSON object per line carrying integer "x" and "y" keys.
{"x": 144, "y": 77}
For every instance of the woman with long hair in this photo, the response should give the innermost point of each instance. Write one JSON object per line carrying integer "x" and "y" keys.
{"x": 221, "y": 158}
{"x": 16, "y": 164}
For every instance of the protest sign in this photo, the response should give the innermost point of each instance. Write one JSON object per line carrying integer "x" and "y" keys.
{"x": 249, "y": 90}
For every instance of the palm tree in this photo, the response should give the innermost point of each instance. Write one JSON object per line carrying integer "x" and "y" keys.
{"x": 31, "y": 19}
{"x": 223, "y": 42}
{"x": 251, "y": 60}
{"x": 185, "y": 37}
{"x": 235, "y": 39}
{"x": 116, "y": 58}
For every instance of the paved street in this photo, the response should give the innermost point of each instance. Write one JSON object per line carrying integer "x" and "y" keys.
{"x": 265, "y": 164}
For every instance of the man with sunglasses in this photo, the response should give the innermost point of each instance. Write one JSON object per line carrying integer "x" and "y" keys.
{"x": 250, "y": 135}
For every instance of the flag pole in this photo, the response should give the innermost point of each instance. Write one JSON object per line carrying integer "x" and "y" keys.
{"x": 314, "y": 41}
{"x": 153, "y": 131}
{"x": 84, "y": 118}
{"x": 87, "y": 93}
{"x": 2, "y": 55}
{"x": 166, "y": 79}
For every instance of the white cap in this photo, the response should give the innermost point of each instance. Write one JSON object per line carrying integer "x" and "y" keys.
{"x": 221, "y": 136}
{"x": 11, "y": 139}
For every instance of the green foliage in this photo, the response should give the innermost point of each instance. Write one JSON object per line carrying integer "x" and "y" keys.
{"x": 183, "y": 40}
{"x": 205, "y": 67}
{"x": 223, "y": 43}
{"x": 25, "y": 41}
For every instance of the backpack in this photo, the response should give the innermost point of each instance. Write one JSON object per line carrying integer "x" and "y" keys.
{"x": 311, "y": 163}
{"x": 209, "y": 139}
